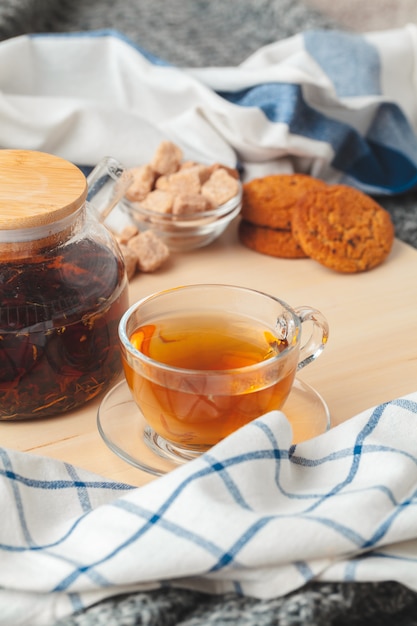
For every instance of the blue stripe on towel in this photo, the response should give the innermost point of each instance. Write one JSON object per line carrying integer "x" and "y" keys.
{"x": 353, "y": 66}
{"x": 369, "y": 159}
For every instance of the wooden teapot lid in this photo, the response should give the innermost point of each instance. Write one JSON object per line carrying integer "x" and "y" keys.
{"x": 37, "y": 189}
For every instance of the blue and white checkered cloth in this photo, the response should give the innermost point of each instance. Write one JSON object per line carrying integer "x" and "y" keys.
{"x": 255, "y": 515}
{"x": 337, "y": 105}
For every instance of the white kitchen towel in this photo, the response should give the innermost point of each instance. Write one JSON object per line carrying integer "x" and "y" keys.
{"x": 337, "y": 105}
{"x": 254, "y": 515}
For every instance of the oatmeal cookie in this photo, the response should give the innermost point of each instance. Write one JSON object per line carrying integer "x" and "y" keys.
{"x": 342, "y": 228}
{"x": 269, "y": 201}
{"x": 271, "y": 241}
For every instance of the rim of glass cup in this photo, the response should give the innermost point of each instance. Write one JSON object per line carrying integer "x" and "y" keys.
{"x": 124, "y": 338}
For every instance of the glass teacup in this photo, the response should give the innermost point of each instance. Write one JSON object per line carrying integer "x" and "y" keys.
{"x": 203, "y": 360}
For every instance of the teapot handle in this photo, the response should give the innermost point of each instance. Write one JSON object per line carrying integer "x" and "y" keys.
{"x": 107, "y": 184}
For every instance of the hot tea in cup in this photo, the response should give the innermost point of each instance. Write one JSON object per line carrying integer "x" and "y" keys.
{"x": 203, "y": 360}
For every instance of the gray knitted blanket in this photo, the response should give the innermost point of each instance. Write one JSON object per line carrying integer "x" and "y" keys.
{"x": 201, "y": 33}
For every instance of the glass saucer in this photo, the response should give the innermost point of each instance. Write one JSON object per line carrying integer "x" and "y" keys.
{"x": 122, "y": 426}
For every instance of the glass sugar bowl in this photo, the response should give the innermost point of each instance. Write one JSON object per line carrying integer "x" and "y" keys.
{"x": 63, "y": 289}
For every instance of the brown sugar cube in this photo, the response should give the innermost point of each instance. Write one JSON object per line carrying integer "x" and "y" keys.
{"x": 204, "y": 171}
{"x": 186, "y": 164}
{"x": 190, "y": 203}
{"x": 143, "y": 180}
{"x": 220, "y": 187}
{"x": 167, "y": 158}
{"x": 184, "y": 181}
{"x": 162, "y": 182}
{"x": 127, "y": 233}
{"x": 130, "y": 259}
{"x": 159, "y": 201}
{"x": 232, "y": 171}
{"x": 150, "y": 251}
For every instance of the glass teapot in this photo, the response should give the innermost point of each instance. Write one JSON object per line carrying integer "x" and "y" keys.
{"x": 63, "y": 285}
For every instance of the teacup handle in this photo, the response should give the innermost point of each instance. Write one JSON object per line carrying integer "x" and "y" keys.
{"x": 319, "y": 335}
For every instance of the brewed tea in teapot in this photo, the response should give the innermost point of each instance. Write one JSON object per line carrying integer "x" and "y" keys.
{"x": 63, "y": 289}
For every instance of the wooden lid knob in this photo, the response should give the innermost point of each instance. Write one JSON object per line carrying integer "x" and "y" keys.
{"x": 37, "y": 189}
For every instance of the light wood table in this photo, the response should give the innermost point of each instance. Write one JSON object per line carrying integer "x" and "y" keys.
{"x": 371, "y": 356}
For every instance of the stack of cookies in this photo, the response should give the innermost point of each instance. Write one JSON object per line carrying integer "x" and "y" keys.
{"x": 297, "y": 216}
